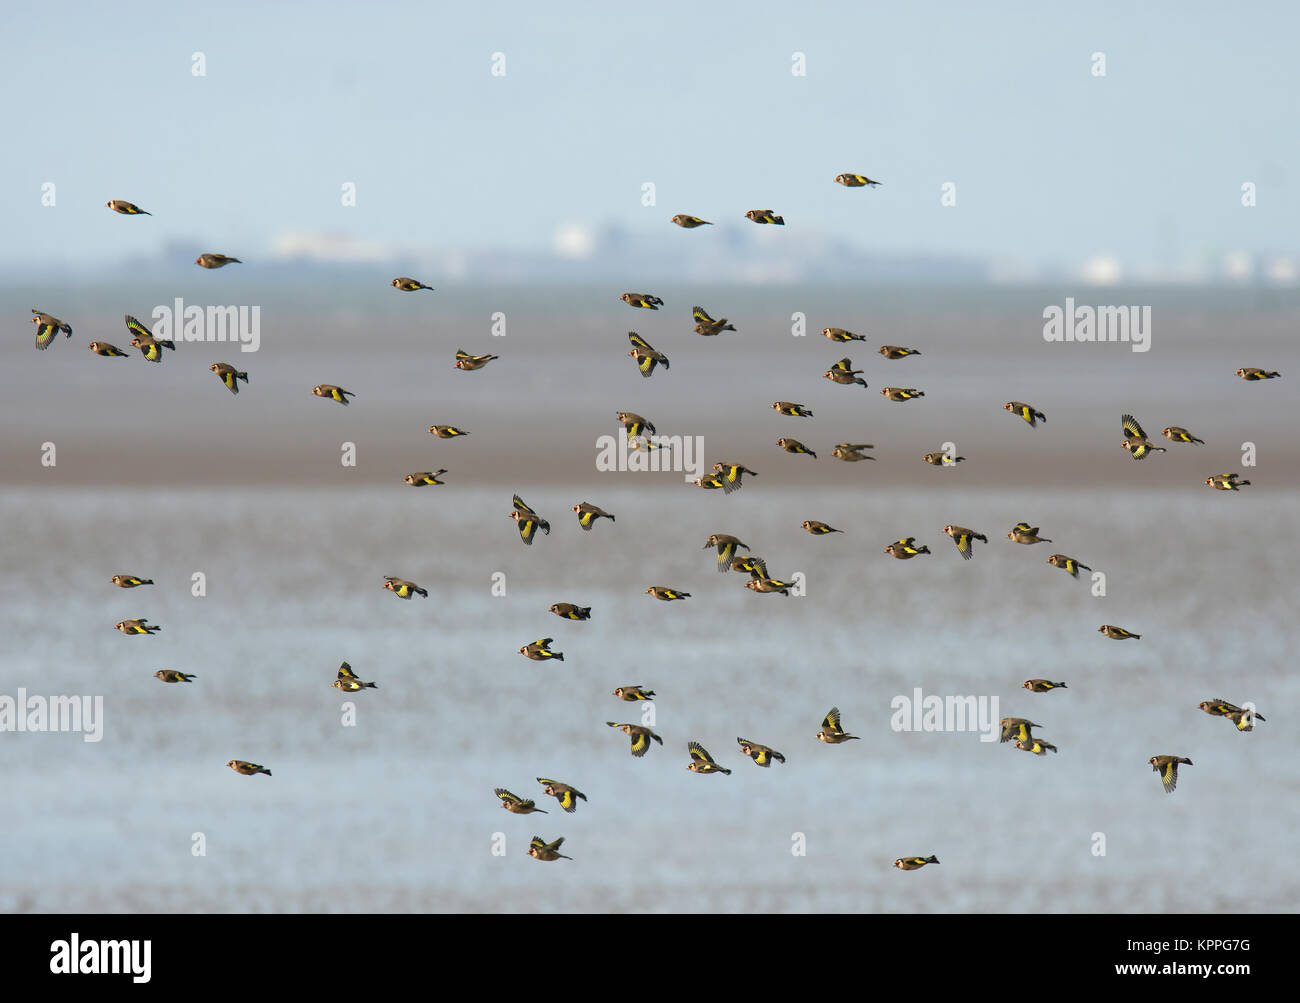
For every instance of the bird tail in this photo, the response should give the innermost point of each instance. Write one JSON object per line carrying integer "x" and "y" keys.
{"x": 931, "y": 860}
{"x": 423, "y": 592}
{"x": 241, "y": 376}
{"x": 559, "y": 656}
{"x": 1243, "y": 482}
{"x": 146, "y": 581}
{"x": 166, "y": 344}
{"x": 923, "y": 549}
{"x": 373, "y": 686}
{"x": 584, "y": 611}
{"x": 264, "y": 770}
{"x": 780, "y": 221}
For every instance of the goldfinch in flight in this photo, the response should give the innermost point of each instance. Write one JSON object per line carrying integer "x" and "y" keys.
{"x": 901, "y": 393}
{"x": 1226, "y": 482}
{"x": 689, "y": 222}
{"x": 403, "y": 589}
{"x": 540, "y": 650}
{"x": 795, "y": 446}
{"x": 642, "y": 301}
{"x": 727, "y": 546}
{"x": 1042, "y": 685}
{"x": 646, "y": 357}
{"x": 760, "y": 754}
{"x": 563, "y": 793}
{"x": 1167, "y": 767}
{"x": 228, "y": 375}
{"x": 850, "y": 452}
{"x": 1117, "y": 633}
{"x": 791, "y": 409}
{"x": 141, "y": 626}
{"x": 1135, "y": 440}
{"x": 246, "y": 768}
{"x": 750, "y": 564}
{"x": 48, "y": 328}
{"x": 844, "y": 374}
{"x": 731, "y": 474}
{"x": 831, "y": 732}
{"x": 446, "y": 431}
{"x": 1243, "y": 718}
{"x": 633, "y": 694}
{"x": 216, "y": 261}
{"x": 423, "y": 478}
{"x": 896, "y": 351}
{"x": 528, "y": 521}
{"x": 666, "y": 594}
{"x": 765, "y": 216}
{"x": 126, "y": 208}
{"x": 588, "y": 514}
{"x": 635, "y": 425}
{"x": 468, "y": 363}
{"x": 702, "y": 762}
{"x": 706, "y": 326}
{"x": 1251, "y": 373}
{"x": 570, "y": 611}
{"x": 839, "y": 334}
{"x": 409, "y": 285}
{"x": 1067, "y": 564}
{"x": 150, "y": 347}
{"x": 906, "y": 548}
{"x": 769, "y": 585}
{"x": 333, "y": 393}
{"x": 965, "y": 539}
{"x": 942, "y": 459}
{"x": 1026, "y": 412}
{"x": 1017, "y": 728}
{"x": 818, "y": 528}
{"x": 855, "y": 181}
{"x": 641, "y": 737}
{"x": 1176, "y": 434}
{"x": 913, "y": 863}
{"x": 515, "y": 804}
{"x": 1038, "y": 746}
{"x": 174, "y": 676}
{"x": 347, "y": 681}
{"x": 1022, "y": 532}
{"x": 104, "y": 348}
{"x": 539, "y": 849}
{"x": 129, "y": 581}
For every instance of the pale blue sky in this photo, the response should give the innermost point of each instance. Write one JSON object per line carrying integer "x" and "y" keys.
{"x": 1050, "y": 163}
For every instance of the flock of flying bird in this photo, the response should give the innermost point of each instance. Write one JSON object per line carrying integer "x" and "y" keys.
{"x": 726, "y": 476}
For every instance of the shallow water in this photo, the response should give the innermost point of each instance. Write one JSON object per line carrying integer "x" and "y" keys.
{"x": 165, "y": 474}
